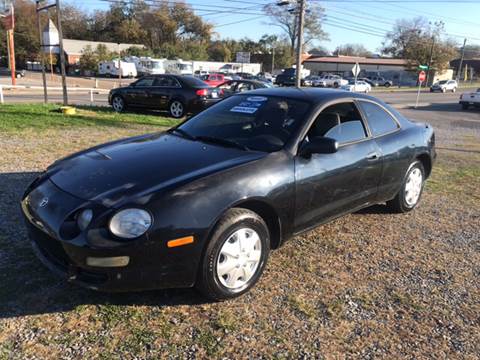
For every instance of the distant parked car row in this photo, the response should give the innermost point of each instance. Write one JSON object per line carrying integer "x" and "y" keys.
{"x": 444, "y": 86}
{"x": 178, "y": 94}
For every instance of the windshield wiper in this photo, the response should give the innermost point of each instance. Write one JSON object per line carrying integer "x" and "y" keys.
{"x": 224, "y": 142}
{"x": 183, "y": 133}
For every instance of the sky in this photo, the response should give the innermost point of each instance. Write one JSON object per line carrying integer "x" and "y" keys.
{"x": 347, "y": 21}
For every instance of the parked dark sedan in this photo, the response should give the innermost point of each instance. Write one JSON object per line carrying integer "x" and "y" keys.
{"x": 7, "y": 72}
{"x": 175, "y": 93}
{"x": 202, "y": 204}
{"x": 231, "y": 87}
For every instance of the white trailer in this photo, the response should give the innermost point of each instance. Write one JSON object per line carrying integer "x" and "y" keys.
{"x": 179, "y": 67}
{"x": 110, "y": 68}
{"x": 148, "y": 65}
{"x": 224, "y": 67}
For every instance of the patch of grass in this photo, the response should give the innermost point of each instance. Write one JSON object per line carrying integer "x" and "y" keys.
{"x": 17, "y": 118}
{"x": 406, "y": 300}
{"x": 300, "y": 305}
{"x": 226, "y": 321}
{"x": 207, "y": 340}
{"x": 140, "y": 339}
{"x": 451, "y": 179}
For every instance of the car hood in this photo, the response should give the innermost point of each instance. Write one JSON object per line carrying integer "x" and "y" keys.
{"x": 116, "y": 172}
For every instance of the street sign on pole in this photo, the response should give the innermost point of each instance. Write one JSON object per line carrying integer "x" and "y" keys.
{"x": 422, "y": 67}
{"x": 243, "y": 57}
{"x": 355, "y": 72}
{"x": 422, "y": 76}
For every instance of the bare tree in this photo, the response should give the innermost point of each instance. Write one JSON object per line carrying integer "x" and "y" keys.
{"x": 287, "y": 21}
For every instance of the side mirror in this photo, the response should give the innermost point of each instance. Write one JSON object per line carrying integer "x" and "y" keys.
{"x": 318, "y": 145}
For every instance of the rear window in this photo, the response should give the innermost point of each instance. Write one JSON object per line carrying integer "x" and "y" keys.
{"x": 262, "y": 123}
{"x": 193, "y": 81}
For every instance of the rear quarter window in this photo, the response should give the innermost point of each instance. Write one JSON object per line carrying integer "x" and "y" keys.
{"x": 379, "y": 120}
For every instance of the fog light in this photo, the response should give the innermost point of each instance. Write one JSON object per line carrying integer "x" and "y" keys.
{"x": 118, "y": 261}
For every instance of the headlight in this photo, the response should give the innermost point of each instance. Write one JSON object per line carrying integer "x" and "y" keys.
{"x": 84, "y": 218}
{"x": 130, "y": 223}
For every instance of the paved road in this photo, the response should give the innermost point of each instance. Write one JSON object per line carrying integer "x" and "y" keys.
{"x": 400, "y": 99}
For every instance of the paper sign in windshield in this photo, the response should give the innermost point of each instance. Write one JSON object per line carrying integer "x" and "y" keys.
{"x": 247, "y": 107}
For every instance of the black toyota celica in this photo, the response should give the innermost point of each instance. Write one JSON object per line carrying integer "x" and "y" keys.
{"x": 204, "y": 203}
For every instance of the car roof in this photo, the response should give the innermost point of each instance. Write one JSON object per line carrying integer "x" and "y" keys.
{"x": 309, "y": 94}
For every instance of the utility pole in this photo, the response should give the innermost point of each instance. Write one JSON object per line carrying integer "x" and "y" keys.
{"x": 430, "y": 61}
{"x": 62, "y": 54}
{"x": 301, "y": 18}
{"x": 119, "y": 67}
{"x": 8, "y": 16}
{"x": 459, "y": 69}
{"x": 273, "y": 59}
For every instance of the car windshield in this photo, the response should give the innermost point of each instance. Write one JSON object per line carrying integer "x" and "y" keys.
{"x": 443, "y": 82}
{"x": 261, "y": 123}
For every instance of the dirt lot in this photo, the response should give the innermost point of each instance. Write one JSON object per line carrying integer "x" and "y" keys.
{"x": 369, "y": 285}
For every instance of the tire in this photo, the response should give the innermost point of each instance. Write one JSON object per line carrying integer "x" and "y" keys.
{"x": 118, "y": 104}
{"x": 454, "y": 90}
{"x": 335, "y": 85}
{"x": 235, "y": 225}
{"x": 387, "y": 85}
{"x": 409, "y": 195}
{"x": 444, "y": 90}
{"x": 176, "y": 108}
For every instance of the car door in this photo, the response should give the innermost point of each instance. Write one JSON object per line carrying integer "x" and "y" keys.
{"x": 328, "y": 185}
{"x": 163, "y": 88}
{"x": 396, "y": 155}
{"x": 137, "y": 94}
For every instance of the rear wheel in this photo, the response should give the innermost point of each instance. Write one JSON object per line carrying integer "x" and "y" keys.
{"x": 118, "y": 104}
{"x": 235, "y": 256}
{"x": 176, "y": 109}
{"x": 454, "y": 89}
{"x": 387, "y": 85}
{"x": 444, "y": 90}
{"x": 409, "y": 195}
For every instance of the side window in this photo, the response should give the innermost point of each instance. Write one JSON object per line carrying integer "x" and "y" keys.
{"x": 380, "y": 121}
{"x": 148, "y": 81}
{"x": 341, "y": 122}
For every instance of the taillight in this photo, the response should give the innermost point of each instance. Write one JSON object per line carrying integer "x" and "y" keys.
{"x": 202, "y": 92}
{"x": 221, "y": 92}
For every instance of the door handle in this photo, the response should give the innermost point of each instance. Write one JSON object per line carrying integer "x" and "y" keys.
{"x": 373, "y": 156}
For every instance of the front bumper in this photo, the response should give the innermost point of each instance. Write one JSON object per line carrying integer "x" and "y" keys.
{"x": 152, "y": 265}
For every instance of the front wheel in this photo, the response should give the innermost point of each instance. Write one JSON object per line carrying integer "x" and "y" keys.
{"x": 235, "y": 256}
{"x": 118, "y": 103}
{"x": 177, "y": 109}
{"x": 454, "y": 90}
{"x": 412, "y": 187}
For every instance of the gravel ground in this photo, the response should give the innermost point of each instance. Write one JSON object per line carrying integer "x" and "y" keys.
{"x": 369, "y": 285}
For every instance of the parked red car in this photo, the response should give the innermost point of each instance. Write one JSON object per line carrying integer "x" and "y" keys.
{"x": 213, "y": 79}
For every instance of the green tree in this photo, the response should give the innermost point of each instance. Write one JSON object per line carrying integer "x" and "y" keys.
{"x": 416, "y": 40}
{"x": 89, "y": 59}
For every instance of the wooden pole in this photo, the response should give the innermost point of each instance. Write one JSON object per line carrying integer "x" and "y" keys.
{"x": 301, "y": 18}
{"x": 42, "y": 62}
{"x": 62, "y": 55}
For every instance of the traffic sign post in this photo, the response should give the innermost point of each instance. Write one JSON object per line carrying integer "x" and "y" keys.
{"x": 8, "y": 19}
{"x": 421, "y": 78}
{"x": 355, "y": 72}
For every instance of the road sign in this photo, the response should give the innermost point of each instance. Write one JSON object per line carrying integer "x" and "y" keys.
{"x": 422, "y": 76}
{"x": 423, "y": 67}
{"x": 356, "y": 70}
{"x": 243, "y": 57}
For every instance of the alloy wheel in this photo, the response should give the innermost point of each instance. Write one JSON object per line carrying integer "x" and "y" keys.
{"x": 118, "y": 104}
{"x": 176, "y": 109}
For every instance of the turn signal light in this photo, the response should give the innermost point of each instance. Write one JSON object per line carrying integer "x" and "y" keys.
{"x": 180, "y": 242}
{"x": 202, "y": 92}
